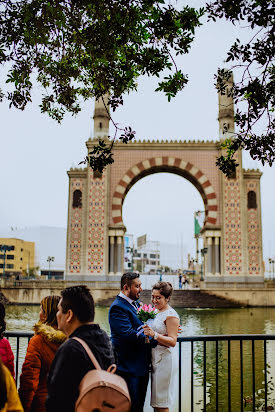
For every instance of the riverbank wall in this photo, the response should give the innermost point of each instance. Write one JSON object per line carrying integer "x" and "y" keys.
{"x": 104, "y": 292}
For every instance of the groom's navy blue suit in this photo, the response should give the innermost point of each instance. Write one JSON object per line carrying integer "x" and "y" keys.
{"x": 133, "y": 354}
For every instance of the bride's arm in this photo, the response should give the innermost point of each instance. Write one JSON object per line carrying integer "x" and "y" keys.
{"x": 172, "y": 325}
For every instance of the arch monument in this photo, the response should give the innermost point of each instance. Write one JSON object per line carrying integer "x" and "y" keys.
{"x": 232, "y": 230}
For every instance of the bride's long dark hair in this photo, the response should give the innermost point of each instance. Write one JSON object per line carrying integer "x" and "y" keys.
{"x": 3, "y": 386}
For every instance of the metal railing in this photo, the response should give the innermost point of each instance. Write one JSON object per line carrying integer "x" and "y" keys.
{"x": 235, "y": 364}
{"x": 18, "y": 336}
{"x": 218, "y": 340}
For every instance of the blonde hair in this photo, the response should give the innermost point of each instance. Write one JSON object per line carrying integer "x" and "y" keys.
{"x": 49, "y": 306}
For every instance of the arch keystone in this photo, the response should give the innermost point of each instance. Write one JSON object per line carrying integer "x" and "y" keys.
{"x": 158, "y": 161}
{"x": 171, "y": 161}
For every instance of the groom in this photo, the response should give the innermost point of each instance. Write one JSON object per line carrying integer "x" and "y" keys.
{"x": 133, "y": 354}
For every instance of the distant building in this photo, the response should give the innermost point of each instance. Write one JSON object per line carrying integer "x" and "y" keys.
{"x": 20, "y": 257}
{"x": 49, "y": 241}
{"x": 146, "y": 258}
{"x": 128, "y": 252}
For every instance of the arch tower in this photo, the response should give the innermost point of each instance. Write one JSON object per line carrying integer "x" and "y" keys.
{"x": 232, "y": 231}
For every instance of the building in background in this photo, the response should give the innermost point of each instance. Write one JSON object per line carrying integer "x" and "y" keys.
{"x": 146, "y": 257}
{"x": 128, "y": 252}
{"x": 49, "y": 241}
{"x": 19, "y": 257}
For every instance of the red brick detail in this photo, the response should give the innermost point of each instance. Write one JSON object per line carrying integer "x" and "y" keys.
{"x": 152, "y": 162}
{"x": 140, "y": 166}
{"x": 211, "y": 220}
{"x": 116, "y": 207}
{"x": 198, "y": 174}
{"x": 206, "y": 184}
{"x": 165, "y": 161}
{"x": 177, "y": 162}
{"x": 211, "y": 196}
{"x": 117, "y": 219}
{"x": 117, "y": 194}
{"x": 212, "y": 207}
{"x": 188, "y": 166}
{"x": 122, "y": 183}
{"x": 130, "y": 174}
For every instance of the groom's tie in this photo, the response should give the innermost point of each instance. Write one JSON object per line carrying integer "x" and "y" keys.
{"x": 135, "y": 304}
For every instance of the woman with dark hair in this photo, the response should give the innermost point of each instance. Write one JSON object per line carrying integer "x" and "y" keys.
{"x": 40, "y": 353}
{"x": 164, "y": 329}
{"x": 9, "y": 399}
{"x": 6, "y": 353}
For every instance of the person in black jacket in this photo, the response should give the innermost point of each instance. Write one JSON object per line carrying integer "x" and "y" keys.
{"x": 75, "y": 317}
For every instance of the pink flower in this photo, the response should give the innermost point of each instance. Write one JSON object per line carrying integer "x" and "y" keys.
{"x": 145, "y": 308}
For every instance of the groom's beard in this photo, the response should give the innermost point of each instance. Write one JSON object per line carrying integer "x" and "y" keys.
{"x": 134, "y": 296}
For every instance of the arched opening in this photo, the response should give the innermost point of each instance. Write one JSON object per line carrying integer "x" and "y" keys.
{"x": 251, "y": 200}
{"x": 162, "y": 206}
{"x": 77, "y": 199}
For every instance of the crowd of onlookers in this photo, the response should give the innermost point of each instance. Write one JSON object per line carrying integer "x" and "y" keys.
{"x": 56, "y": 363}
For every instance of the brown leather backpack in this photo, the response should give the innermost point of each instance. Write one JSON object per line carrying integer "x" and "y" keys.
{"x": 100, "y": 390}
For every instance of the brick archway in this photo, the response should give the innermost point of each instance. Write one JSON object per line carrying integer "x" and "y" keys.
{"x": 172, "y": 165}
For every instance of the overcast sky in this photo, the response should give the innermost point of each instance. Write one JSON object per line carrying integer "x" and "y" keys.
{"x": 36, "y": 152}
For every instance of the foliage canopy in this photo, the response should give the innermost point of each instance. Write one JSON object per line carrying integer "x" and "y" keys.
{"x": 256, "y": 88}
{"x": 78, "y": 49}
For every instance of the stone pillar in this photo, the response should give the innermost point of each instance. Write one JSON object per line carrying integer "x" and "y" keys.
{"x": 209, "y": 255}
{"x": 119, "y": 241}
{"x": 112, "y": 254}
{"x": 217, "y": 255}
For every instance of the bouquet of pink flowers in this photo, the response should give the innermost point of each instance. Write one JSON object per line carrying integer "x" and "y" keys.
{"x": 146, "y": 313}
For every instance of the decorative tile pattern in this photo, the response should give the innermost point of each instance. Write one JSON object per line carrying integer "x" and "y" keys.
{"x": 232, "y": 226}
{"x": 253, "y": 234}
{"x": 210, "y": 198}
{"x": 75, "y": 225}
{"x": 96, "y": 223}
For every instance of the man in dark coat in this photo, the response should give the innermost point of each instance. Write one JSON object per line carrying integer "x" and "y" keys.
{"x": 75, "y": 317}
{"x": 132, "y": 352}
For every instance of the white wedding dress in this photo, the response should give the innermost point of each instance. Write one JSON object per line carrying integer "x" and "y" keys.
{"x": 164, "y": 365}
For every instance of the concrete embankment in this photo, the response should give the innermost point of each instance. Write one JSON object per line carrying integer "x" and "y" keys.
{"x": 32, "y": 292}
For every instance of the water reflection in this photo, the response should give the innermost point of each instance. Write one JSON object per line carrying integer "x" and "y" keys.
{"x": 199, "y": 322}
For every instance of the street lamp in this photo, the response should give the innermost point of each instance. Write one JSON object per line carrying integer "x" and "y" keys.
{"x": 271, "y": 262}
{"x": 5, "y": 249}
{"x": 50, "y": 259}
{"x": 203, "y": 253}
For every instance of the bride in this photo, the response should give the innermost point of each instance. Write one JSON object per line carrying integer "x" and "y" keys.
{"x": 164, "y": 329}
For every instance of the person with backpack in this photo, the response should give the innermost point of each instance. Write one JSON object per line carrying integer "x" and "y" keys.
{"x": 75, "y": 319}
{"x": 132, "y": 352}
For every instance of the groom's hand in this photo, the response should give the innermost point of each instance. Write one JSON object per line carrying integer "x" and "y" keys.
{"x": 148, "y": 331}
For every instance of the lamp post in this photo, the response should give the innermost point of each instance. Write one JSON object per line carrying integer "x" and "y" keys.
{"x": 203, "y": 253}
{"x": 50, "y": 259}
{"x": 271, "y": 265}
{"x": 5, "y": 249}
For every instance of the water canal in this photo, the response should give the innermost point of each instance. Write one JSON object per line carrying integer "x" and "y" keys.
{"x": 200, "y": 322}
